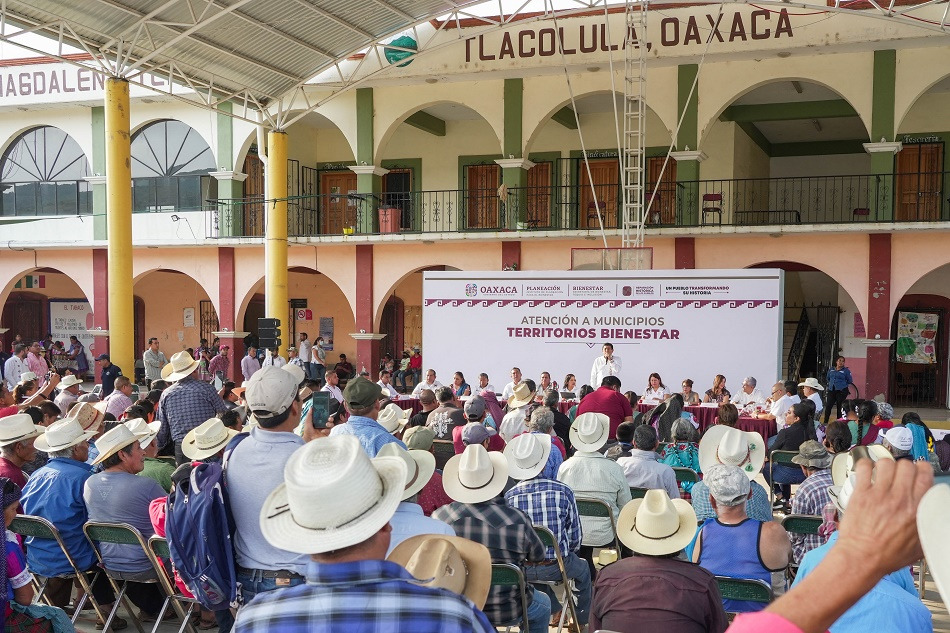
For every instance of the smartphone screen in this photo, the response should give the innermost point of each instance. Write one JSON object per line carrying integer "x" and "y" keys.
{"x": 320, "y": 408}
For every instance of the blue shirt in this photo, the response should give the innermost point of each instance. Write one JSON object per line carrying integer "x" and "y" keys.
{"x": 369, "y": 432}
{"x": 551, "y": 504}
{"x": 758, "y": 507}
{"x": 369, "y": 596}
{"x": 54, "y": 492}
{"x": 838, "y": 380}
{"x": 892, "y": 605}
{"x": 109, "y": 374}
{"x": 410, "y": 521}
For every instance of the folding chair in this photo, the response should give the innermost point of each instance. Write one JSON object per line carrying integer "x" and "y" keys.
{"x": 547, "y": 537}
{"x": 598, "y": 509}
{"x": 779, "y": 457}
{"x": 40, "y": 528}
{"x": 661, "y": 446}
{"x": 444, "y": 450}
{"x": 748, "y": 589}
{"x": 509, "y": 575}
{"x": 638, "y": 493}
{"x": 804, "y": 524}
{"x": 124, "y": 534}
{"x": 158, "y": 549}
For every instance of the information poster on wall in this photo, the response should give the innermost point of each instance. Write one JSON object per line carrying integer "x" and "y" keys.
{"x": 72, "y": 318}
{"x": 326, "y": 331}
{"x": 680, "y": 324}
{"x": 917, "y": 337}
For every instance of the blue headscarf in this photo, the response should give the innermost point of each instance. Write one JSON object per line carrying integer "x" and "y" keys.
{"x": 919, "y": 450}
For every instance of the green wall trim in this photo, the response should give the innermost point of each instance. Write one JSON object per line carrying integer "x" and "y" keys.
{"x": 415, "y": 164}
{"x": 688, "y": 133}
{"x": 225, "y": 136}
{"x": 364, "y": 126}
{"x": 818, "y": 148}
{"x": 795, "y": 111}
{"x": 426, "y": 122}
{"x": 98, "y": 121}
{"x": 565, "y": 116}
{"x": 514, "y": 104}
{"x": 882, "y": 101}
{"x": 756, "y": 136}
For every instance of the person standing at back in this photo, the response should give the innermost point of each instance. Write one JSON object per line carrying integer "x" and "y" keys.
{"x": 605, "y": 365}
{"x": 304, "y": 349}
{"x": 154, "y": 360}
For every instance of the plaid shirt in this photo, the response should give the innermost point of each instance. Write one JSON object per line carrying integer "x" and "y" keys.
{"x": 551, "y": 504}
{"x": 508, "y": 535}
{"x": 369, "y": 596}
{"x": 185, "y": 405}
{"x": 757, "y": 507}
{"x": 811, "y": 498}
{"x": 219, "y": 363}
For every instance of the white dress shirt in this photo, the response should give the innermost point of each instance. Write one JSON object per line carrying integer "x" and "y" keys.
{"x": 276, "y": 361}
{"x": 603, "y": 368}
{"x": 388, "y": 390}
{"x": 643, "y": 469}
{"x": 334, "y": 391}
{"x": 819, "y": 405}
{"x": 780, "y": 407}
{"x": 12, "y": 370}
{"x": 655, "y": 396}
{"x": 509, "y": 390}
{"x": 512, "y": 424}
{"x": 477, "y": 390}
{"x": 742, "y": 398}
{"x": 303, "y": 350}
{"x": 435, "y": 384}
{"x": 593, "y": 476}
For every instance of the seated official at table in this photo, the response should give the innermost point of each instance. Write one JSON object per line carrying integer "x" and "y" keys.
{"x": 570, "y": 384}
{"x": 748, "y": 394}
{"x": 690, "y": 397}
{"x": 718, "y": 393}
{"x": 656, "y": 391}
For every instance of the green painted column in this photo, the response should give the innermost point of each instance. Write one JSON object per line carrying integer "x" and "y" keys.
{"x": 367, "y": 183}
{"x": 98, "y": 167}
{"x": 230, "y": 185}
{"x": 687, "y": 171}
{"x": 514, "y": 177}
{"x": 883, "y": 127}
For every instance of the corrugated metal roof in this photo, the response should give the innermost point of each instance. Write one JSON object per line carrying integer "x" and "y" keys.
{"x": 267, "y": 47}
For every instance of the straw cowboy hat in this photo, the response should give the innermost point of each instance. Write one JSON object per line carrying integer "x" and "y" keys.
{"x": 813, "y": 383}
{"x": 521, "y": 397}
{"x": 206, "y": 439}
{"x": 145, "y": 431}
{"x": 527, "y": 455}
{"x": 181, "y": 366}
{"x": 727, "y": 445}
{"x": 26, "y": 377}
{"x": 307, "y": 514}
{"x": 18, "y": 428}
{"x": 420, "y": 465}
{"x": 843, "y": 466}
{"x": 934, "y": 535}
{"x": 392, "y": 417}
{"x": 475, "y": 475}
{"x": 589, "y": 431}
{"x": 448, "y": 562}
{"x": 90, "y": 418}
{"x": 656, "y": 525}
{"x": 69, "y": 381}
{"x": 62, "y": 435}
{"x": 113, "y": 441}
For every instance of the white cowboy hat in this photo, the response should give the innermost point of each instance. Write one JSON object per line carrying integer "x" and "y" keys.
{"x": 391, "y": 417}
{"x": 113, "y": 441}
{"x": 813, "y": 383}
{"x": 589, "y": 432}
{"x": 727, "y": 445}
{"x": 420, "y": 465}
{"x": 842, "y": 468}
{"x": 527, "y": 455}
{"x": 656, "y": 525}
{"x": 89, "y": 416}
{"x": 935, "y": 536}
{"x": 307, "y": 514}
{"x": 521, "y": 397}
{"x": 295, "y": 371}
{"x": 206, "y": 439}
{"x": 145, "y": 431}
{"x": 182, "y": 365}
{"x": 69, "y": 381}
{"x": 26, "y": 377}
{"x": 475, "y": 475}
{"x": 61, "y": 435}
{"x": 18, "y": 428}
{"x": 448, "y": 562}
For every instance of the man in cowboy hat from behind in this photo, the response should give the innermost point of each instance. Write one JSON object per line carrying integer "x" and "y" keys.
{"x": 17, "y": 433}
{"x": 70, "y": 389}
{"x": 513, "y": 424}
{"x": 812, "y": 495}
{"x": 185, "y": 404}
{"x": 54, "y": 492}
{"x": 656, "y": 590}
{"x": 723, "y": 444}
{"x": 361, "y": 398}
{"x": 117, "y": 495}
{"x": 345, "y": 536}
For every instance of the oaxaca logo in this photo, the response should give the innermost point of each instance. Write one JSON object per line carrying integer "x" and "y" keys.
{"x": 471, "y": 290}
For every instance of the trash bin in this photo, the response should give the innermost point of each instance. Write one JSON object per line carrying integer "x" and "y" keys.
{"x": 389, "y": 219}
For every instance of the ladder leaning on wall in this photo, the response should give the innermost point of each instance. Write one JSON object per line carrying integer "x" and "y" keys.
{"x": 633, "y": 165}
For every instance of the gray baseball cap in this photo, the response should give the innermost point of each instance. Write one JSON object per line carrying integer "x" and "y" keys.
{"x": 727, "y": 484}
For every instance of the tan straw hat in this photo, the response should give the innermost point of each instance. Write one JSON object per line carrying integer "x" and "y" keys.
{"x": 90, "y": 417}
{"x": 521, "y": 397}
{"x": 62, "y": 435}
{"x": 206, "y": 439}
{"x": 656, "y": 525}
{"x": 476, "y": 475}
{"x": 182, "y": 365}
{"x": 448, "y": 562}
{"x": 113, "y": 441}
{"x": 420, "y": 465}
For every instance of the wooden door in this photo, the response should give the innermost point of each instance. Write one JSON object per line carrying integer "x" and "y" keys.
{"x": 663, "y": 208}
{"x": 605, "y": 175}
{"x": 338, "y": 209}
{"x": 412, "y": 327}
{"x": 919, "y": 182}
{"x": 253, "y": 205}
{"x": 481, "y": 196}
{"x": 24, "y": 316}
{"x": 538, "y": 196}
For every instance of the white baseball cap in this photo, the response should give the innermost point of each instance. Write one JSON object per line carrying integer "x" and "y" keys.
{"x": 270, "y": 392}
{"x": 900, "y": 437}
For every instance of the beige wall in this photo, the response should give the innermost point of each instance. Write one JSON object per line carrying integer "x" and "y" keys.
{"x": 927, "y": 114}
{"x": 166, "y": 295}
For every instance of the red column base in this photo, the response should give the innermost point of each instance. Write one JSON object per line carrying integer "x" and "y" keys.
{"x": 878, "y": 373}
{"x": 368, "y": 356}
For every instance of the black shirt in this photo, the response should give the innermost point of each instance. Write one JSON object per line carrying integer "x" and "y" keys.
{"x": 790, "y": 438}
{"x": 109, "y": 374}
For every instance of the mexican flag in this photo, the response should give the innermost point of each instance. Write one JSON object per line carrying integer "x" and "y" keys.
{"x": 32, "y": 281}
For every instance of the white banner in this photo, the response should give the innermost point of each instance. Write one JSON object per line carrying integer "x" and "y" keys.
{"x": 679, "y": 323}
{"x": 72, "y": 318}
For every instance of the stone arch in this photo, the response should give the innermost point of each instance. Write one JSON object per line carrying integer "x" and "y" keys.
{"x": 908, "y": 268}
{"x": 209, "y": 286}
{"x": 928, "y": 71}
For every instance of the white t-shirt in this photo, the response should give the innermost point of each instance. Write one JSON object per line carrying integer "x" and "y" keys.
{"x": 303, "y": 350}
{"x": 780, "y": 407}
{"x": 742, "y": 398}
{"x": 388, "y": 389}
{"x": 509, "y": 390}
{"x": 819, "y": 405}
{"x": 334, "y": 391}
{"x": 512, "y": 424}
{"x": 477, "y": 390}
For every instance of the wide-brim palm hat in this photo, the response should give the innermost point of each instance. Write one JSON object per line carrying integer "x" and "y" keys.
{"x": 723, "y": 444}
{"x": 656, "y": 525}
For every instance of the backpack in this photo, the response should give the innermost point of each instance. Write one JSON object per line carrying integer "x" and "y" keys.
{"x": 199, "y": 529}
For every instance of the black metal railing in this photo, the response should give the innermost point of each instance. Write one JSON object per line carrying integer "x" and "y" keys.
{"x": 797, "y": 352}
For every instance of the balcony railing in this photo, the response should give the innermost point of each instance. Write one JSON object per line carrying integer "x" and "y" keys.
{"x": 855, "y": 199}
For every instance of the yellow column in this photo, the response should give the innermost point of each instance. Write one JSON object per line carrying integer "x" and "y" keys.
{"x": 275, "y": 240}
{"x": 119, "y": 222}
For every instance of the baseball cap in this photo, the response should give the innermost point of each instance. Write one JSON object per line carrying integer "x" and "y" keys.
{"x": 418, "y": 438}
{"x": 475, "y": 408}
{"x": 270, "y": 392}
{"x": 900, "y": 437}
{"x": 102, "y": 357}
{"x": 361, "y": 393}
{"x": 476, "y": 433}
{"x": 727, "y": 484}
